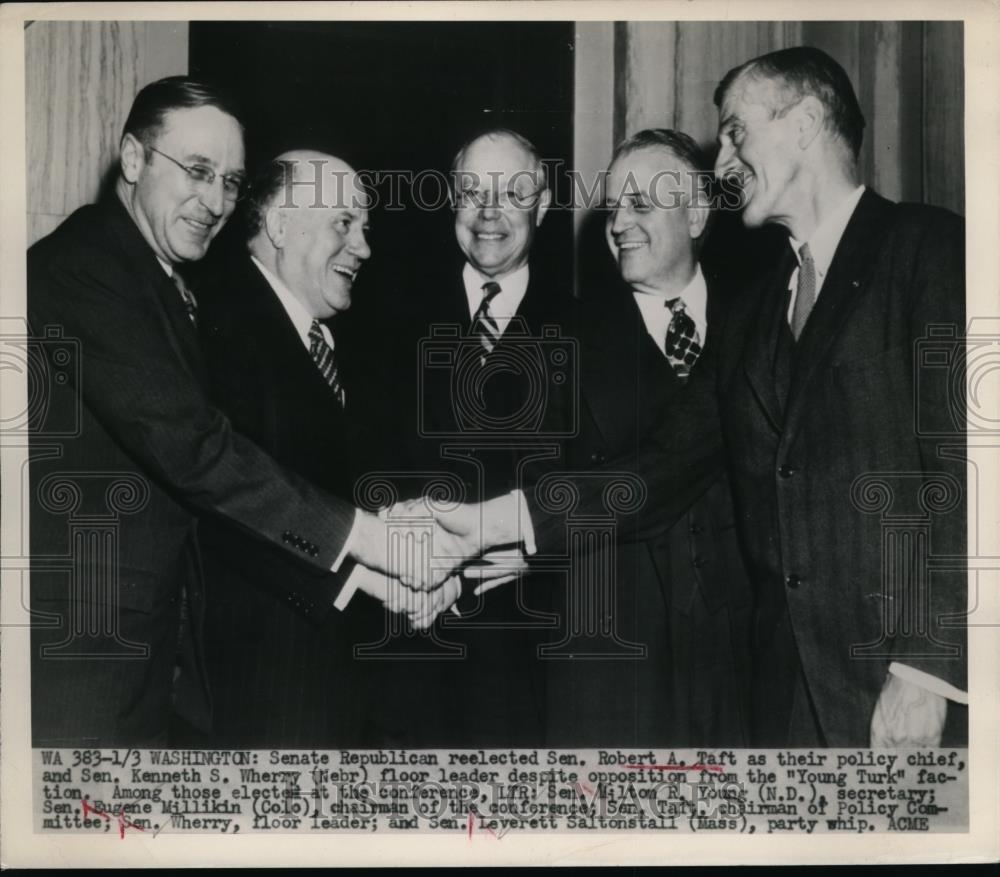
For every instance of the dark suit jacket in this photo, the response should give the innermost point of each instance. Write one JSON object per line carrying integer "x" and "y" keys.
{"x": 681, "y": 599}
{"x": 303, "y": 688}
{"x": 810, "y": 523}
{"x": 487, "y": 691}
{"x": 150, "y": 452}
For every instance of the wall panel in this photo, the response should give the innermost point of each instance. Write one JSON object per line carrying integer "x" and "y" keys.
{"x": 80, "y": 79}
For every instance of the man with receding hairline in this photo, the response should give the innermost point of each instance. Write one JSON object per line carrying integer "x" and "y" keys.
{"x": 116, "y": 640}
{"x": 274, "y": 368}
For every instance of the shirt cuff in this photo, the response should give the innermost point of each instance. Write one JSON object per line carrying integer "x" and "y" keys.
{"x": 350, "y": 588}
{"x": 928, "y": 682}
{"x": 525, "y": 527}
{"x": 348, "y": 543}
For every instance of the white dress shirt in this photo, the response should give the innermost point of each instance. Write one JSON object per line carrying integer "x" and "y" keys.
{"x": 299, "y": 316}
{"x": 504, "y": 305}
{"x": 657, "y": 316}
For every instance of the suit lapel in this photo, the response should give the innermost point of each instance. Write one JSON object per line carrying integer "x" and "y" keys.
{"x": 162, "y": 288}
{"x": 844, "y": 285}
{"x": 617, "y": 344}
{"x": 761, "y": 341}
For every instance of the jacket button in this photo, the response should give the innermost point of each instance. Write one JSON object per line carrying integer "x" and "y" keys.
{"x": 793, "y": 581}
{"x": 698, "y": 562}
{"x": 696, "y": 529}
{"x": 786, "y": 471}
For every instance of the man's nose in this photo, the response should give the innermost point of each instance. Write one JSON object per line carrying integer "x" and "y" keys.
{"x": 359, "y": 246}
{"x": 489, "y": 210}
{"x": 725, "y": 162}
{"x": 213, "y": 197}
{"x": 620, "y": 220}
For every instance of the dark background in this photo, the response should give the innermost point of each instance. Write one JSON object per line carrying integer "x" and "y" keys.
{"x": 399, "y": 96}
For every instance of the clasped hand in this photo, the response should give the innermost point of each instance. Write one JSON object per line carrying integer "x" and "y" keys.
{"x": 421, "y": 549}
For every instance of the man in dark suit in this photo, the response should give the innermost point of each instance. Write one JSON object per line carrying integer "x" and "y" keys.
{"x": 116, "y": 637}
{"x": 478, "y": 317}
{"x": 681, "y": 598}
{"x": 814, "y": 386}
{"x": 274, "y": 370}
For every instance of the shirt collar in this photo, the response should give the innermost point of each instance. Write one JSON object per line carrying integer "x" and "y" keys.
{"x": 824, "y": 240}
{"x": 300, "y": 317}
{"x": 166, "y": 266}
{"x": 695, "y": 297}
{"x": 504, "y": 304}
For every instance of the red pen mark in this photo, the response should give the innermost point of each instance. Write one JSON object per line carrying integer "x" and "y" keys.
{"x": 587, "y": 789}
{"x": 714, "y": 768}
{"x": 122, "y": 820}
{"x": 470, "y": 825}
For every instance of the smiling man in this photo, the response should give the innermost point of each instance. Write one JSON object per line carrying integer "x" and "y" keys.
{"x": 680, "y": 597}
{"x": 116, "y": 639}
{"x": 274, "y": 368}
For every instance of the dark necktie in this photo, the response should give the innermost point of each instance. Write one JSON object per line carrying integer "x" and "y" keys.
{"x": 682, "y": 343}
{"x": 484, "y": 326}
{"x": 190, "y": 303}
{"x": 322, "y": 354}
{"x": 805, "y": 292}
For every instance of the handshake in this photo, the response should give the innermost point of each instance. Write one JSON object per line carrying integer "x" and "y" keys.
{"x": 413, "y": 556}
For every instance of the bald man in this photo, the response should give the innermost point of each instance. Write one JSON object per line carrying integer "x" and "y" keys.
{"x": 278, "y": 679}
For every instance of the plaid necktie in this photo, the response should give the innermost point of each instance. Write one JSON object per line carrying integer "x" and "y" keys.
{"x": 483, "y": 324}
{"x": 682, "y": 343}
{"x": 322, "y": 354}
{"x": 190, "y": 302}
{"x": 805, "y": 292}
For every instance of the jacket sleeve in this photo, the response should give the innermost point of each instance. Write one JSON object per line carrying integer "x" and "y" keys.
{"x": 136, "y": 380}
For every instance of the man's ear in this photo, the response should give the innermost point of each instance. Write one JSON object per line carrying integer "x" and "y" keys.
{"x": 543, "y": 205}
{"x": 275, "y": 223}
{"x": 810, "y": 117}
{"x": 697, "y": 214}
{"x": 133, "y": 158}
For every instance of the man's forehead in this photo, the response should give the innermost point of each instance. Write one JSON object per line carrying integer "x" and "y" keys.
{"x": 205, "y": 131}
{"x": 644, "y": 169}
{"x": 497, "y": 157}
{"x": 748, "y": 94}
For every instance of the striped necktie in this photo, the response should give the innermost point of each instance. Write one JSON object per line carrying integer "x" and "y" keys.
{"x": 682, "y": 344}
{"x": 805, "y": 292}
{"x": 322, "y": 354}
{"x": 484, "y": 326}
{"x": 190, "y": 302}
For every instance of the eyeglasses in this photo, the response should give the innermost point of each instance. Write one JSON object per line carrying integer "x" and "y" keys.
{"x": 478, "y": 198}
{"x": 202, "y": 177}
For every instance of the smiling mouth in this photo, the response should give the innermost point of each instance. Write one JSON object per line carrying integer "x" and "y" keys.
{"x": 201, "y": 227}
{"x": 349, "y": 273}
{"x": 630, "y": 245}
{"x": 490, "y": 236}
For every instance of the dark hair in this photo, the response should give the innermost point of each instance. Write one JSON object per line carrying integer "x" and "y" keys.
{"x": 154, "y": 101}
{"x": 502, "y": 134}
{"x": 680, "y": 145}
{"x": 676, "y": 142}
{"x": 269, "y": 180}
{"x": 801, "y": 71}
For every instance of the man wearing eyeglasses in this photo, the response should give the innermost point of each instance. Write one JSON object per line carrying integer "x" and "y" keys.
{"x": 496, "y": 293}
{"x": 116, "y": 584}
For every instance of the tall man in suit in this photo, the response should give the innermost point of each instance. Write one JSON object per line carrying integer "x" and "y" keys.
{"x": 116, "y": 637}
{"x": 682, "y": 597}
{"x": 813, "y": 384}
